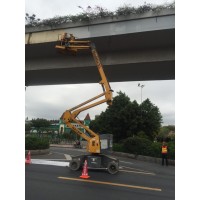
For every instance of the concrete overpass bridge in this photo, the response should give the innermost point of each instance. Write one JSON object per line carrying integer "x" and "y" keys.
{"x": 131, "y": 48}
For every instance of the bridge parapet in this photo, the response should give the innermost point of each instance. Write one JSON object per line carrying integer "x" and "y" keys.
{"x": 150, "y": 21}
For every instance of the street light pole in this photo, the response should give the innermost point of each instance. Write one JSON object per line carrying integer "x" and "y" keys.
{"x": 141, "y": 86}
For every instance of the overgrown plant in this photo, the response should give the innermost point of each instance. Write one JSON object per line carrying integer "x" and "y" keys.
{"x": 30, "y": 20}
{"x": 90, "y": 14}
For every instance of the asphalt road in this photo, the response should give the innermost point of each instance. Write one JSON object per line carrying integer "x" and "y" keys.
{"x": 135, "y": 180}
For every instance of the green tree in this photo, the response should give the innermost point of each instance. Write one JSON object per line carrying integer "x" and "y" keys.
{"x": 113, "y": 120}
{"x": 171, "y": 127}
{"x": 40, "y": 125}
{"x": 150, "y": 119}
{"x": 164, "y": 130}
{"x": 164, "y": 133}
{"x": 125, "y": 119}
{"x": 131, "y": 118}
{"x": 28, "y": 127}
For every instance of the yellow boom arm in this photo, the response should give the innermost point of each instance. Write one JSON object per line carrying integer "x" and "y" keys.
{"x": 70, "y": 44}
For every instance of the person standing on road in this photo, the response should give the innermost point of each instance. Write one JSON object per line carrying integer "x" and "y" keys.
{"x": 164, "y": 153}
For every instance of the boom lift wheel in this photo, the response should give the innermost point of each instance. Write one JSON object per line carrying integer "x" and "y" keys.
{"x": 113, "y": 168}
{"x": 74, "y": 165}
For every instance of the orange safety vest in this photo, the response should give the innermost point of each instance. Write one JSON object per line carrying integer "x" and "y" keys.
{"x": 164, "y": 149}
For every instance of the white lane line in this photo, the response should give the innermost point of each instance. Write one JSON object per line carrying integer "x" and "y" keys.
{"x": 49, "y": 162}
{"x": 67, "y": 156}
{"x": 136, "y": 172}
{"x": 136, "y": 169}
{"x": 126, "y": 162}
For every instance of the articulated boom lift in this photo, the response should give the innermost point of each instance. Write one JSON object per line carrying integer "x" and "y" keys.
{"x": 95, "y": 159}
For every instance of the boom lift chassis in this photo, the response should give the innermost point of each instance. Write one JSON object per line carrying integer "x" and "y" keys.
{"x": 96, "y": 160}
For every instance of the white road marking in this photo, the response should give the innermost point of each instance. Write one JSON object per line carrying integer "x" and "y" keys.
{"x": 126, "y": 162}
{"x": 49, "y": 162}
{"x": 67, "y": 156}
{"x": 136, "y": 172}
{"x": 136, "y": 169}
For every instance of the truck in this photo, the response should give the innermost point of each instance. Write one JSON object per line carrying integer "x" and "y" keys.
{"x": 95, "y": 159}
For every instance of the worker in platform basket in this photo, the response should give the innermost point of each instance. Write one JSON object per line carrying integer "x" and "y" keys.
{"x": 164, "y": 153}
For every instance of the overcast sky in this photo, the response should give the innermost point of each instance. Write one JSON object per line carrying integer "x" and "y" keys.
{"x": 50, "y": 102}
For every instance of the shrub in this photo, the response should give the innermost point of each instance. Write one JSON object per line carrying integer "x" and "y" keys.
{"x": 34, "y": 142}
{"x": 137, "y": 145}
{"x": 156, "y": 149}
{"x": 118, "y": 147}
{"x": 142, "y": 146}
{"x": 171, "y": 154}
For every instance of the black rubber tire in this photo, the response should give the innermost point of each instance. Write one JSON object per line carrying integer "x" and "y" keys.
{"x": 74, "y": 165}
{"x": 113, "y": 167}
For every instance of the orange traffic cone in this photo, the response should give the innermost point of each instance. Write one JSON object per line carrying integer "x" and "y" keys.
{"x": 85, "y": 171}
{"x": 28, "y": 158}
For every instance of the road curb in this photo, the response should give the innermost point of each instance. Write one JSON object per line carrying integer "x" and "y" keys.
{"x": 62, "y": 145}
{"x": 38, "y": 152}
{"x": 142, "y": 158}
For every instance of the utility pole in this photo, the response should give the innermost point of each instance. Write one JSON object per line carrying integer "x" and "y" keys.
{"x": 141, "y": 86}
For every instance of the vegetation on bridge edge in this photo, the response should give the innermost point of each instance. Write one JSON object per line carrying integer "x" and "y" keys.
{"x": 90, "y": 14}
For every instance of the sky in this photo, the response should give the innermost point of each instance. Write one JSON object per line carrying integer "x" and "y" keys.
{"x": 50, "y": 102}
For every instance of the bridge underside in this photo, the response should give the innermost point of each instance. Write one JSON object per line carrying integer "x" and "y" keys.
{"x": 115, "y": 73}
{"x": 130, "y": 57}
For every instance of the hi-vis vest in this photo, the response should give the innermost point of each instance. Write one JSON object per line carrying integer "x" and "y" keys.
{"x": 164, "y": 149}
